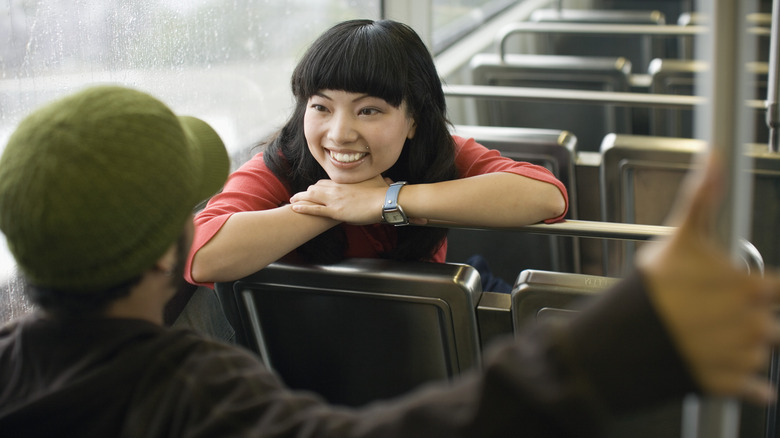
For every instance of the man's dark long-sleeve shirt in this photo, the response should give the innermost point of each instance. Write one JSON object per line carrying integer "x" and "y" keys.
{"x": 115, "y": 377}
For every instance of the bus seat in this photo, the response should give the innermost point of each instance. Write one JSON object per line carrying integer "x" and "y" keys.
{"x": 588, "y": 122}
{"x": 686, "y": 43}
{"x": 640, "y": 179}
{"x": 670, "y": 76}
{"x": 509, "y": 252}
{"x": 501, "y": 314}
{"x": 541, "y": 295}
{"x": 671, "y": 9}
{"x": 494, "y": 317}
{"x": 766, "y": 204}
{"x": 760, "y": 28}
{"x": 638, "y": 49}
{"x": 361, "y": 329}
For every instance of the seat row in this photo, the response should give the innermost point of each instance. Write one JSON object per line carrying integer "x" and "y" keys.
{"x": 634, "y": 179}
{"x": 364, "y": 330}
{"x": 672, "y": 38}
{"x": 612, "y": 51}
{"x": 591, "y": 121}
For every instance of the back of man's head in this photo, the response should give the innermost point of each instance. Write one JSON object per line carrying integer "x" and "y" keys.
{"x": 96, "y": 186}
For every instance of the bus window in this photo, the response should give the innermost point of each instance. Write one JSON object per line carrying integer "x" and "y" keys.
{"x": 226, "y": 62}
{"x": 452, "y": 19}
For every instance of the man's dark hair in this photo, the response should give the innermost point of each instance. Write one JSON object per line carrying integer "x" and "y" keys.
{"x": 72, "y": 303}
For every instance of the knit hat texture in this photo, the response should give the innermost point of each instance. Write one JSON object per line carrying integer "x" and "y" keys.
{"x": 95, "y": 187}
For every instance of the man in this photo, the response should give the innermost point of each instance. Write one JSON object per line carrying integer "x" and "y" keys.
{"x": 96, "y": 194}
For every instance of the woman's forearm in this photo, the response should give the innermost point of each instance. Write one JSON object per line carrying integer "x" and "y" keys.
{"x": 251, "y": 240}
{"x": 497, "y": 199}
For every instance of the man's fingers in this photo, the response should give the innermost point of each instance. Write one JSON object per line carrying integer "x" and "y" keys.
{"x": 771, "y": 287}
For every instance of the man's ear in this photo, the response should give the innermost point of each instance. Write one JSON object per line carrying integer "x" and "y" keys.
{"x": 167, "y": 262}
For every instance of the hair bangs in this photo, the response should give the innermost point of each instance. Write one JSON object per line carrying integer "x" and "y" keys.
{"x": 365, "y": 61}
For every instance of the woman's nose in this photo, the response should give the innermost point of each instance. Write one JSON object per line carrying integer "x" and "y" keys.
{"x": 342, "y": 129}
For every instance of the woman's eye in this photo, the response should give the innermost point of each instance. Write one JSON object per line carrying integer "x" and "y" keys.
{"x": 368, "y": 111}
{"x": 318, "y": 107}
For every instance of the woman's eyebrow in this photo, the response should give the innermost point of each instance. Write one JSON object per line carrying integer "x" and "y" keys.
{"x": 357, "y": 99}
{"x": 363, "y": 96}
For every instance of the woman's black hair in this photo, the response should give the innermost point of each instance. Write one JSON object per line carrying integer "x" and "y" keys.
{"x": 385, "y": 59}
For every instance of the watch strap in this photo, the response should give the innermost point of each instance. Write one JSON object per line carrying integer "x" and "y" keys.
{"x": 391, "y": 197}
{"x": 391, "y": 211}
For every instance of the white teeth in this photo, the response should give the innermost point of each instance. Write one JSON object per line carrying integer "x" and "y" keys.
{"x": 346, "y": 158}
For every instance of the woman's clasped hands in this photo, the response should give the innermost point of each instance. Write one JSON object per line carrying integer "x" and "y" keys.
{"x": 354, "y": 203}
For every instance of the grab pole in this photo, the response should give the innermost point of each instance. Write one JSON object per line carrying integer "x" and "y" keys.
{"x": 723, "y": 125}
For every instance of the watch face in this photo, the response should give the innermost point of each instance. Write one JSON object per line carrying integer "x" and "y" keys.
{"x": 394, "y": 217}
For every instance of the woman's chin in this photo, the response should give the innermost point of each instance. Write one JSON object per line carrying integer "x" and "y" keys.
{"x": 342, "y": 177}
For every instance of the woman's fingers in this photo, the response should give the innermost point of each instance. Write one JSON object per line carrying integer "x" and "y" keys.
{"x": 357, "y": 204}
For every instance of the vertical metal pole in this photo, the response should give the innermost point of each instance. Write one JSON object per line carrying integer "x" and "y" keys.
{"x": 773, "y": 122}
{"x": 772, "y": 116}
{"x": 723, "y": 124}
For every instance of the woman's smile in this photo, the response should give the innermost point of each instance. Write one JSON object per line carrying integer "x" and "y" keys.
{"x": 346, "y": 157}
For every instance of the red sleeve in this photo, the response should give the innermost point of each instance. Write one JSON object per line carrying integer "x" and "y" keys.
{"x": 472, "y": 159}
{"x": 252, "y": 187}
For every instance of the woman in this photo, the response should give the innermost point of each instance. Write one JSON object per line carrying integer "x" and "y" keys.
{"x": 369, "y": 112}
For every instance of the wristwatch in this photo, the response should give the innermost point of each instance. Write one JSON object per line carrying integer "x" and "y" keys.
{"x": 392, "y": 213}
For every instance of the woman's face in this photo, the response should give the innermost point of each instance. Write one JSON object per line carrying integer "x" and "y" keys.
{"x": 354, "y": 136}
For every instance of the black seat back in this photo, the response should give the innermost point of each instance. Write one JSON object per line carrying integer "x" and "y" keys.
{"x": 359, "y": 330}
{"x": 588, "y": 122}
{"x": 540, "y": 295}
{"x": 638, "y": 49}
{"x": 641, "y": 177}
{"x": 669, "y": 76}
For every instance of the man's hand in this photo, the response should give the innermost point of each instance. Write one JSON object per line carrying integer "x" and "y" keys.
{"x": 721, "y": 318}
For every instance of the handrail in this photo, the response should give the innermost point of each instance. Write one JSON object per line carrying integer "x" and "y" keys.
{"x": 584, "y": 96}
{"x": 594, "y": 29}
{"x": 579, "y": 228}
{"x": 607, "y": 230}
{"x": 574, "y": 96}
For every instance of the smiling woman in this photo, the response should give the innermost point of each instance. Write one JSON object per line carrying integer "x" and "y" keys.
{"x": 369, "y": 111}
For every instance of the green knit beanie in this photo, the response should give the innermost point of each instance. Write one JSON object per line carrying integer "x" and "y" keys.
{"x": 95, "y": 187}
